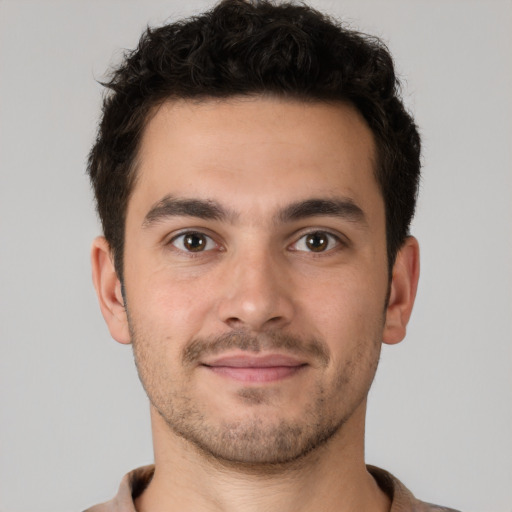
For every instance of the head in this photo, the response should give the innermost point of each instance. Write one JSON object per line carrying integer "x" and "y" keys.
{"x": 256, "y": 175}
{"x": 246, "y": 48}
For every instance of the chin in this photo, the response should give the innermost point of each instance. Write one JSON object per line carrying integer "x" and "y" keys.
{"x": 255, "y": 442}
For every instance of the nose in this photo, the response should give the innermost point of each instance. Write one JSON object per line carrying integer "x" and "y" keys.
{"x": 257, "y": 293}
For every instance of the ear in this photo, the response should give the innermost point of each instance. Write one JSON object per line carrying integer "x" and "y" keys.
{"x": 404, "y": 284}
{"x": 108, "y": 289}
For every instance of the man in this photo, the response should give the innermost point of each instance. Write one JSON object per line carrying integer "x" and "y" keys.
{"x": 256, "y": 174}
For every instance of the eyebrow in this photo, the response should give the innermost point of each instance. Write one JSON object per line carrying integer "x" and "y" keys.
{"x": 208, "y": 209}
{"x": 344, "y": 208}
{"x": 170, "y": 206}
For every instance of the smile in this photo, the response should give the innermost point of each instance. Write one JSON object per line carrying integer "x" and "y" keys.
{"x": 257, "y": 369}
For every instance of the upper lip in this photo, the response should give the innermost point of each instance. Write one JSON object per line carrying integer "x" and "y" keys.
{"x": 254, "y": 361}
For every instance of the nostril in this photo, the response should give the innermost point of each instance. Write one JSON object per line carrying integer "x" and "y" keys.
{"x": 237, "y": 323}
{"x": 234, "y": 322}
{"x": 274, "y": 320}
{"x": 255, "y": 303}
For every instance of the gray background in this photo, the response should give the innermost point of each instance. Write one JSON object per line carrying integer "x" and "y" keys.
{"x": 74, "y": 418}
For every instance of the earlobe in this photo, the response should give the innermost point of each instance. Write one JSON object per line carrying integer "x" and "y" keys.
{"x": 404, "y": 284}
{"x": 108, "y": 290}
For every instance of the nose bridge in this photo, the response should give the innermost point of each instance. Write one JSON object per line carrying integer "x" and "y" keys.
{"x": 256, "y": 292}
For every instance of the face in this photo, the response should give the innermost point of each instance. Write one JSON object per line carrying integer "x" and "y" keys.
{"x": 255, "y": 274}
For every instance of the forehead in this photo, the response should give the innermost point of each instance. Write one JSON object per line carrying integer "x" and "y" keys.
{"x": 255, "y": 153}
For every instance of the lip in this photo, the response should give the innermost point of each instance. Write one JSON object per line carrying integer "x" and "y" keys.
{"x": 255, "y": 368}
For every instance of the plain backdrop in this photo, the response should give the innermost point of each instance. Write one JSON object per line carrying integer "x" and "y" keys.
{"x": 74, "y": 418}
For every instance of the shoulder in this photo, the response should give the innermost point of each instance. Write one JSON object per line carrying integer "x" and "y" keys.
{"x": 437, "y": 508}
{"x": 131, "y": 486}
{"x": 402, "y": 500}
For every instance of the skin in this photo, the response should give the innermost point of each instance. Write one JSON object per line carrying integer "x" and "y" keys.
{"x": 257, "y": 351}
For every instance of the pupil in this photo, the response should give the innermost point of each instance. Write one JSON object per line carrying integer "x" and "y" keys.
{"x": 317, "y": 242}
{"x": 194, "y": 242}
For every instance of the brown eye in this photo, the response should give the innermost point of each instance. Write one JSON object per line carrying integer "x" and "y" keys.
{"x": 193, "y": 242}
{"x": 317, "y": 241}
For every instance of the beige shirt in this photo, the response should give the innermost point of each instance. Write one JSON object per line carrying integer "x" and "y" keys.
{"x": 136, "y": 481}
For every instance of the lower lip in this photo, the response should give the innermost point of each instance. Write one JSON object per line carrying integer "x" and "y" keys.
{"x": 256, "y": 374}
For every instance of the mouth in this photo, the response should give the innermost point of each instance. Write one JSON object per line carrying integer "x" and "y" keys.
{"x": 249, "y": 368}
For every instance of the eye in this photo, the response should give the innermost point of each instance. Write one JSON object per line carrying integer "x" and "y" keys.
{"x": 317, "y": 241}
{"x": 193, "y": 241}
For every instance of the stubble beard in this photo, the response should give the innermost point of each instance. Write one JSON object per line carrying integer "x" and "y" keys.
{"x": 255, "y": 442}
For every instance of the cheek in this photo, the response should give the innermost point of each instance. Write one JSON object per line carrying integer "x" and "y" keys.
{"x": 347, "y": 305}
{"x": 171, "y": 307}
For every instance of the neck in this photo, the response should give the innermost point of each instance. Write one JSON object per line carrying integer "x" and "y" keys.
{"x": 333, "y": 477}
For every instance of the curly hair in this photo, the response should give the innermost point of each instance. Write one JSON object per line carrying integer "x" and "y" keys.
{"x": 251, "y": 47}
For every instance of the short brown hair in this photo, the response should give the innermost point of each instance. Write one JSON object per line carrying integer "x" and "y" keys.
{"x": 255, "y": 47}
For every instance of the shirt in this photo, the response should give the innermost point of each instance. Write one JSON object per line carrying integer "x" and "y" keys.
{"x": 134, "y": 483}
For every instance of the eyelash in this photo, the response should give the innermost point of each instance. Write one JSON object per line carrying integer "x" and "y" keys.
{"x": 182, "y": 236}
{"x": 332, "y": 239}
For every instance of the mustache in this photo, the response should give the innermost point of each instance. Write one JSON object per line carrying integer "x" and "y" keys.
{"x": 199, "y": 348}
